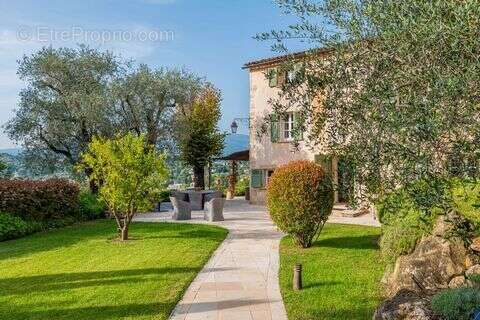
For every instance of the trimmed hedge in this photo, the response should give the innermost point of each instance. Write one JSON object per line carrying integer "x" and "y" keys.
{"x": 40, "y": 201}
{"x": 12, "y": 227}
{"x": 300, "y": 200}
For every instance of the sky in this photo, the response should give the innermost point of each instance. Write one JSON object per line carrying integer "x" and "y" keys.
{"x": 212, "y": 38}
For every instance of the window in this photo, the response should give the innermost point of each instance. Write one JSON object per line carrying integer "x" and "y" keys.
{"x": 287, "y": 127}
{"x": 259, "y": 178}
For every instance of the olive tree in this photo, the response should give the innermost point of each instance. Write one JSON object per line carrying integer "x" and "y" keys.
{"x": 65, "y": 102}
{"x": 132, "y": 174}
{"x": 393, "y": 85}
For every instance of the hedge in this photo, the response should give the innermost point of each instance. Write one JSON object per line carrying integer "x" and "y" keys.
{"x": 40, "y": 201}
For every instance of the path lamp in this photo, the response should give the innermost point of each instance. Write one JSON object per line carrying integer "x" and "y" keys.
{"x": 297, "y": 277}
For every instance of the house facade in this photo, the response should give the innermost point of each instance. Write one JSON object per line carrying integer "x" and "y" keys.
{"x": 273, "y": 149}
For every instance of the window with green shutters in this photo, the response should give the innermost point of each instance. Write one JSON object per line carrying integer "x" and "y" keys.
{"x": 257, "y": 179}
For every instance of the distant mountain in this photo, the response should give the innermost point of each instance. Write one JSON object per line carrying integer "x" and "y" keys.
{"x": 11, "y": 151}
{"x": 235, "y": 143}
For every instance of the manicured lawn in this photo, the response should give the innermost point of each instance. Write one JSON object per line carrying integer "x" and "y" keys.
{"x": 341, "y": 275}
{"x": 80, "y": 273}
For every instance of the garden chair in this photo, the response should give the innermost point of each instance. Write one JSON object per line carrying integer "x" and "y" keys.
{"x": 195, "y": 198}
{"x": 214, "y": 209}
{"x": 212, "y": 195}
{"x": 181, "y": 209}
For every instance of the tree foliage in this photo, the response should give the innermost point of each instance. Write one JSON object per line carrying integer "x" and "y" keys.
{"x": 65, "y": 102}
{"x": 132, "y": 174}
{"x": 199, "y": 139}
{"x": 74, "y": 94}
{"x": 392, "y": 84}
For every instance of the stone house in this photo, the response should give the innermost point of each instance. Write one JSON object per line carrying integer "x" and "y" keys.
{"x": 275, "y": 148}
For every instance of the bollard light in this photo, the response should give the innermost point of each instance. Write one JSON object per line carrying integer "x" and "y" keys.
{"x": 297, "y": 277}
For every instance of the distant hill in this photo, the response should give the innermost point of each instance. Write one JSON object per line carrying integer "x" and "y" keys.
{"x": 235, "y": 143}
{"x": 11, "y": 151}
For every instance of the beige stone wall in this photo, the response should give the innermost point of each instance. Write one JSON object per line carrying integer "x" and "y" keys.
{"x": 263, "y": 153}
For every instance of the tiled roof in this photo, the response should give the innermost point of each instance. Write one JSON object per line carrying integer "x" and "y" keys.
{"x": 277, "y": 59}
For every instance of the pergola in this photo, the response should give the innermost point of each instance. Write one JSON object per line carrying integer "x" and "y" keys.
{"x": 233, "y": 158}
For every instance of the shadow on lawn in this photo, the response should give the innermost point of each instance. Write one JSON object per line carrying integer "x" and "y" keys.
{"x": 68, "y": 281}
{"x": 93, "y": 312}
{"x": 353, "y": 242}
{"x": 99, "y": 230}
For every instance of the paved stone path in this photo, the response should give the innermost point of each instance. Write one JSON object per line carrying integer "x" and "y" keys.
{"x": 240, "y": 282}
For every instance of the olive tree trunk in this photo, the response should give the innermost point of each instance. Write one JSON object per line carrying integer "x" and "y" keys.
{"x": 199, "y": 177}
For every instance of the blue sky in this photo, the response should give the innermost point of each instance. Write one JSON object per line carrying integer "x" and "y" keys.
{"x": 210, "y": 37}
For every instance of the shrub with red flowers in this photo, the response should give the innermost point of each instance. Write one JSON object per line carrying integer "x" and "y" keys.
{"x": 300, "y": 199}
{"x": 41, "y": 201}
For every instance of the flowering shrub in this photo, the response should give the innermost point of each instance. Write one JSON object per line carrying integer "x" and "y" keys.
{"x": 41, "y": 201}
{"x": 300, "y": 200}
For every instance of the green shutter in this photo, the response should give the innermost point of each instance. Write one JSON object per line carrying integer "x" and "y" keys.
{"x": 297, "y": 123}
{"x": 257, "y": 178}
{"x": 274, "y": 128}
{"x": 325, "y": 162}
{"x": 272, "y": 77}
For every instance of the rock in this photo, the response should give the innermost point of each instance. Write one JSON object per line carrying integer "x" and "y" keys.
{"x": 473, "y": 270}
{"x": 405, "y": 305}
{"x": 457, "y": 282}
{"x": 442, "y": 226}
{"x": 475, "y": 246}
{"x": 431, "y": 266}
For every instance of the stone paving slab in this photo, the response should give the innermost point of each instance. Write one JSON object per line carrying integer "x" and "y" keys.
{"x": 240, "y": 281}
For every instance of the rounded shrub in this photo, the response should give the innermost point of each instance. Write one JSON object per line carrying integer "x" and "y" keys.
{"x": 300, "y": 200}
{"x": 457, "y": 304}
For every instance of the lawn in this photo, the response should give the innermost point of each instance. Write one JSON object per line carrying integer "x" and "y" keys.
{"x": 81, "y": 273}
{"x": 341, "y": 275}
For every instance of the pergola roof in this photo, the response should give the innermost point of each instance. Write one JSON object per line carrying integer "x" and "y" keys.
{"x": 243, "y": 155}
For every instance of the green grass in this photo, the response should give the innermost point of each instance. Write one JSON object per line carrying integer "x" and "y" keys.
{"x": 79, "y": 272}
{"x": 341, "y": 275}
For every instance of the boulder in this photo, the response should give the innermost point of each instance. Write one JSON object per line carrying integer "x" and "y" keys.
{"x": 475, "y": 246}
{"x": 473, "y": 270}
{"x": 405, "y": 305}
{"x": 457, "y": 282}
{"x": 431, "y": 266}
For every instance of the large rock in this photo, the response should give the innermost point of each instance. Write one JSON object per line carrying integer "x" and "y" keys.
{"x": 475, "y": 245}
{"x": 429, "y": 268}
{"x": 457, "y": 282}
{"x": 405, "y": 305}
{"x": 473, "y": 270}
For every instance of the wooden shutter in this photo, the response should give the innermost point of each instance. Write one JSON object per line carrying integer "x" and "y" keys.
{"x": 325, "y": 162}
{"x": 274, "y": 128}
{"x": 256, "y": 178}
{"x": 272, "y": 77}
{"x": 297, "y": 124}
